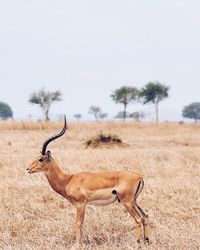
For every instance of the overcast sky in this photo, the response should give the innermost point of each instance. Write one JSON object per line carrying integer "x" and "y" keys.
{"x": 88, "y": 48}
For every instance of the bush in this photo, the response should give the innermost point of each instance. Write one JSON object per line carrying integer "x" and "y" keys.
{"x": 5, "y": 111}
{"x": 103, "y": 139}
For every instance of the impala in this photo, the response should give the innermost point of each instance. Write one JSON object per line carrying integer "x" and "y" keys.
{"x": 85, "y": 188}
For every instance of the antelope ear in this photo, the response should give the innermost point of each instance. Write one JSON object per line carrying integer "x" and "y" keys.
{"x": 49, "y": 155}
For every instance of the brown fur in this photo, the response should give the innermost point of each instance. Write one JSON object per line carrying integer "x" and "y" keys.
{"x": 93, "y": 188}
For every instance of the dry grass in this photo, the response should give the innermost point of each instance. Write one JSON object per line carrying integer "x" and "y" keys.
{"x": 33, "y": 216}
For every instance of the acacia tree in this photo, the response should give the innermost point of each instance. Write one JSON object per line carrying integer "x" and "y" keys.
{"x": 44, "y": 99}
{"x": 192, "y": 111}
{"x": 95, "y": 110}
{"x": 102, "y": 115}
{"x": 5, "y": 111}
{"x": 138, "y": 115}
{"x": 125, "y": 95}
{"x": 78, "y": 116}
{"x": 120, "y": 115}
{"x": 154, "y": 92}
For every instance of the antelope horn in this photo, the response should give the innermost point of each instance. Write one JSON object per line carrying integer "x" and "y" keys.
{"x": 45, "y": 144}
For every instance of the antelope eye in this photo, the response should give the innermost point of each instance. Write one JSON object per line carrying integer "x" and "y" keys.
{"x": 41, "y": 160}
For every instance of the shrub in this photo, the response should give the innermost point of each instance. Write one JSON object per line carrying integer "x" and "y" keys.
{"x": 103, "y": 139}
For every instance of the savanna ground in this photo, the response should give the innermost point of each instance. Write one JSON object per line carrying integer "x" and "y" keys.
{"x": 33, "y": 216}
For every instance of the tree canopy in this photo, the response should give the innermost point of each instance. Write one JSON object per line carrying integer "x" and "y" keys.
{"x": 78, "y": 116}
{"x": 44, "y": 99}
{"x": 154, "y": 92}
{"x": 125, "y": 95}
{"x": 103, "y": 115}
{"x": 95, "y": 110}
{"x": 120, "y": 115}
{"x": 5, "y": 111}
{"x": 192, "y": 111}
{"x": 138, "y": 115}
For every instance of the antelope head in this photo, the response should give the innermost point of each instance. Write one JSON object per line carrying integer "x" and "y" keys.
{"x": 42, "y": 163}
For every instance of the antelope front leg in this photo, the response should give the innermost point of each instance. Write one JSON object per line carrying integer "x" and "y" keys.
{"x": 80, "y": 209}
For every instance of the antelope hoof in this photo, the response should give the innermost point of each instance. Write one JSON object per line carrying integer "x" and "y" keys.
{"x": 146, "y": 240}
{"x": 138, "y": 241}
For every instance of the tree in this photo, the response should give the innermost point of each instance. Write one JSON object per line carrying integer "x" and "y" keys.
{"x": 120, "y": 115}
{"x": 154, "y": 92}
{"x": 95, "y": 110}
{"x": 125, "y": 95}
{"x": 44, "y": 99}
{"x": 5, "y": 111}
{"x": 138, "y": 115}
{"x": 102, "y": 115}
{"x": 77, "y": 116}
{"x": 192, "y": 111}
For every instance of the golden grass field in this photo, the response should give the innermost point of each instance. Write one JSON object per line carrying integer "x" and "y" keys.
{"x": 33, "y": 216}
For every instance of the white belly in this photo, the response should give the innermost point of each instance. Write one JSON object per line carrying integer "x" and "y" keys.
{"x": 112, "y": 199}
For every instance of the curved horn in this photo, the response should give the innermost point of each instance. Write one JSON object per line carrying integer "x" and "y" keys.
{"x": 45, "y": 144}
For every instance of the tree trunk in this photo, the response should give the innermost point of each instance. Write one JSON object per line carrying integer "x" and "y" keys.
{"x": 124, "y": 113}
{"x": 156, "y": 109}
{"x": 96, "y": 116}
{"x": 47, "y": 115}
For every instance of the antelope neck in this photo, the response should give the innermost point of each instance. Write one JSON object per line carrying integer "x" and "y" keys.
{"x": 56, "y": 178}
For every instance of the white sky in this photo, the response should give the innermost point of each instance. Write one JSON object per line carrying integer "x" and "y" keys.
{"x": 87, "y": 48}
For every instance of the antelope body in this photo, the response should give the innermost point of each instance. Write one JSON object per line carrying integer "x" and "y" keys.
{"x": 85, "y": 188}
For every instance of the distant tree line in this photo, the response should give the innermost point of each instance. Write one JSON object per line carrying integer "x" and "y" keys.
{"x": 152, "y": 92}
